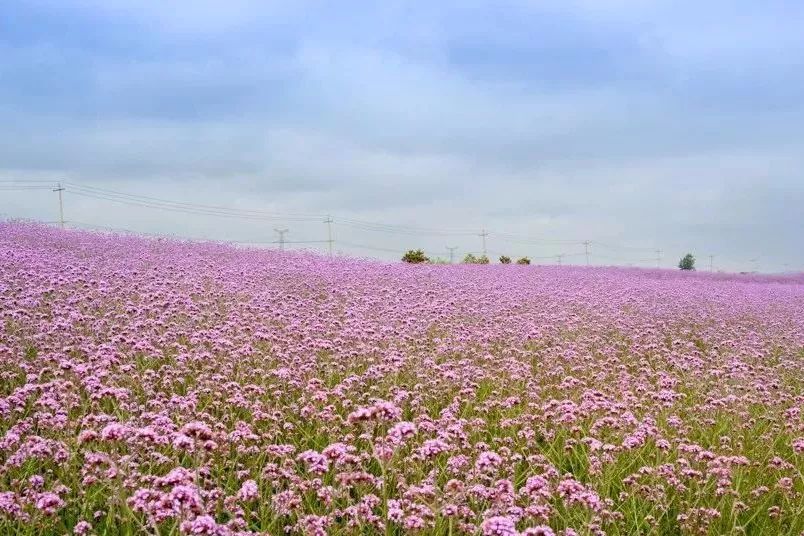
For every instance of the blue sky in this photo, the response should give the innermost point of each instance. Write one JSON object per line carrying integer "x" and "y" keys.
{"x": 671, "y": 125}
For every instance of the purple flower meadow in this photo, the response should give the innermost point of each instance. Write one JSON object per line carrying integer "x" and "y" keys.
{"x": 157, "y": 386}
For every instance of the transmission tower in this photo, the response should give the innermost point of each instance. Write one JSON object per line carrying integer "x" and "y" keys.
{"x": 281, "y": 238}
{"x": 328, "y": 221}
{"x": 451, "y": 250}
{"x": 483, "y": 234}
{"x": 60, "y": 189}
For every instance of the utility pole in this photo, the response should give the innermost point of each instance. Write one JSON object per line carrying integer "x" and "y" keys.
{"x": 451, "y": 253}
{"x": 586, "y": 245}
{"x": 483, "y": 235}
{"x": 711, "y": 258}
{"x": 61, "y": 204}
{"x": 658, "y": 258}
{"x": 281, "y": 238}
{"x": 559, "y": 256}
{"x": 755, "y": 264}
{"x": 328, "y": 221}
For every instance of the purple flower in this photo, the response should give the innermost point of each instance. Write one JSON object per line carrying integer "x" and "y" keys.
{"x": 248, "y": 491}
{"x": 499, "y": 526}
{"x": 49, "y": 503}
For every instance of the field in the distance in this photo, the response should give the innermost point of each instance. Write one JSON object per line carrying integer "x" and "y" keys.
{"x": 150, "y": 386}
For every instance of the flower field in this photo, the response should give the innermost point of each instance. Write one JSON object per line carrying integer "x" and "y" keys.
{"x": 163, "y": 387}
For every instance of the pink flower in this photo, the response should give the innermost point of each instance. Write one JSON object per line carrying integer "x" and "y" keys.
{"x": 488, "y": 461}
{"x": 10, "y": 506}
{"x": 413, "y": 523}
{"x": 114, "y": 432}
{"x": 49, "y": 503}
{"x": 82, "y": 528}
{"x": 316, "y": 463}
{"x": 186, "y": 498}
{"x": 432, "y": 448}
{"x": 248, "y": 491}
{"x": 537, "y": 487}
{"x": 85, "y": 436}
{"x": 285, "y": 502}
{"x": 205, "y": 525}
{"x": 401, "y": 431}
{"x": 313, "y": 525}
{"x": 539, "y": 530}
{"x": 499, "y": 526}
{"x": 380, "y": 410}
{"x": 335, "y": 451}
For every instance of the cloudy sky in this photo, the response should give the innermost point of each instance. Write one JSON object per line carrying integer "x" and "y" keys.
{"x": 672, "y": 125}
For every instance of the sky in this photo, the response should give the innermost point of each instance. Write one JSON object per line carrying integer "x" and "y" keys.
{"x": 639, "y": 126}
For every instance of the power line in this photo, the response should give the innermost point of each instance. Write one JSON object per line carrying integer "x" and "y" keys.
{"x": 181, "y": 204}
{"x": 23, "y": 188}
{"x": 186, "y": 210}
{"x": 532, "y": 241}
{"x": 204, "y": 239}
{"x": 372, "y": 248}
{"x": 220, "y": 211}
{"x": 632, "y": 248}
{"x": 28, "y": 181}
{"x": 400, "y": 229}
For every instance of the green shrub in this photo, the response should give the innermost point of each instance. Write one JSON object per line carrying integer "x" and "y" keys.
{"x": 687, "y": 262}
{"x": 415, "y": 256}
{"x": 472, "y": 259}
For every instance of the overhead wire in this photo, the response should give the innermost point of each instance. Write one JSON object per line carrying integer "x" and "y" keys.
{"x": 185, "y": 210}
{"x": 199, "y": 206}
{"x": 23, "y": 188}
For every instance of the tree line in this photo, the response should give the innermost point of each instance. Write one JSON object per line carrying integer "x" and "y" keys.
{"x": 417, "y": 256}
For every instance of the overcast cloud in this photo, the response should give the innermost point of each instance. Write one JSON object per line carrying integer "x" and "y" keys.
{"x": 657, "y": 125}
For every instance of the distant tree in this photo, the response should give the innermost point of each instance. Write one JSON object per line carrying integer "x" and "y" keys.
{"x": 415, "y": 256}
{"x": 504, "y": 259}
{"x": 523, "y": 260}
{"x": 472, "y": 259}
{"x": 687, "y": 262}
